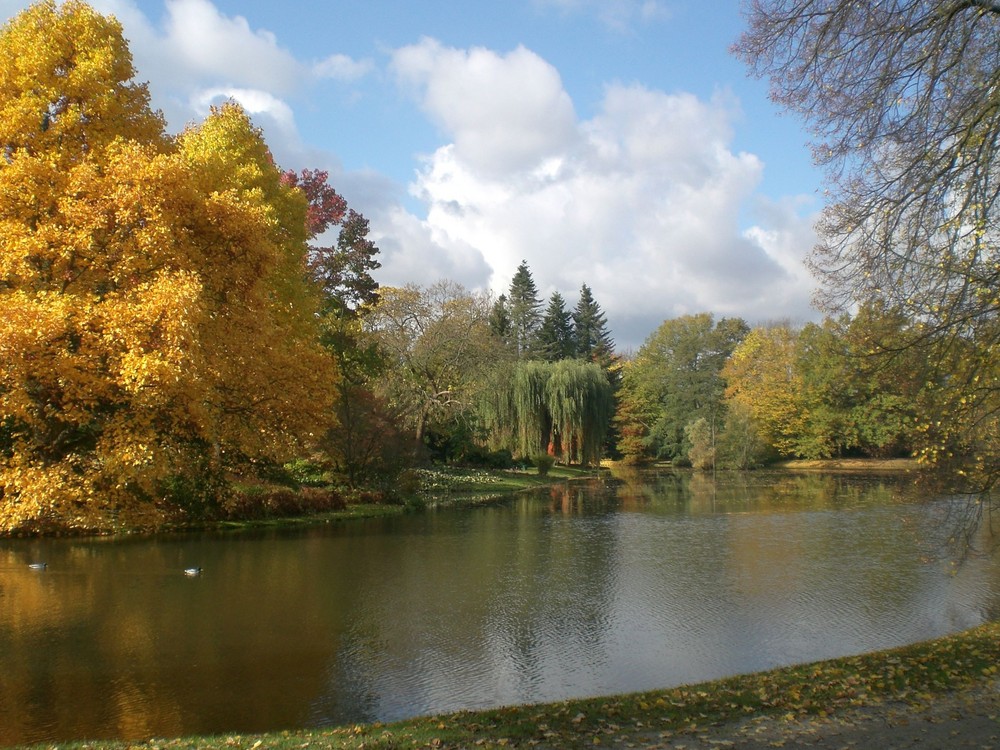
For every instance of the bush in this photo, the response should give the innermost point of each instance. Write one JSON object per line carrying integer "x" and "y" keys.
{"x": 196, "y": 495}
{"x": 500, "y": 460}
{"x": 258, "y": 502}
{"x": 544, "y": 463}
{"x": 407, "y": 484}
{"x": 306, "y": 472}
{"x": 415, "y": 504}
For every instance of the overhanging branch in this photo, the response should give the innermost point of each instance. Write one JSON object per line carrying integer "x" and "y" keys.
{"x": 987, "y": 5}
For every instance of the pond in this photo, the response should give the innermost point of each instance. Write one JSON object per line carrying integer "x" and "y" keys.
{"x": 615, "y": 585}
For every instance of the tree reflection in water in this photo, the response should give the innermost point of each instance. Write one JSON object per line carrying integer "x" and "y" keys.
{"x": 633, "y": 581}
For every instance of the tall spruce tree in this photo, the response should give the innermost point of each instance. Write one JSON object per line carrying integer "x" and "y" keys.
{"x": 593, "y": 341}
{"x": 556, "y": 337}
{"x": 500, "y": 322}
{"x": 523, "y": 308}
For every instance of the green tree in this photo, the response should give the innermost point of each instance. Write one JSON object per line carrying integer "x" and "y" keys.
{"x": 861, "y": 384}
{"x": 580, "y": 402}
{"x": 512, "y": 408}
{"x": 677, "y": 373}
{"x": 523, "y": 307}
{"x": 595, "y": 344}
{"x": 700, "y": 435}
{"x": 889, "y": 377}
{"x": 593, "y": 340}
{"x": 740, "y": 446}
{"x": 438, "y": 346}
{"x": 904, "y": 98}
{"x": 827, "y": 396}
{"x": 500, "y": 322}
{"x": 562, "y": 408}
{"x": 635, "y": 413}
{"x": 556, "y": 339}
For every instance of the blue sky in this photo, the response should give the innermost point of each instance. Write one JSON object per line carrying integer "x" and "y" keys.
{"x": 610, "y": 142}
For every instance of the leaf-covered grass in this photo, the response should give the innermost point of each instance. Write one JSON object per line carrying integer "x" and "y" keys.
{"x": 875, "y": 465}
{"x": 914, "y": 673}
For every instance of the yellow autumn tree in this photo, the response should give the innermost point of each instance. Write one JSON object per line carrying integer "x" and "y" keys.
{"x": 762, "y": 382}
{"x": 158, "y": 331}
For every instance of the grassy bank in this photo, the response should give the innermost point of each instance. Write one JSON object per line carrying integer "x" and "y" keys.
{"x": 443, "y": 486}
{"x": 915, "y": 673}
{"x": 427, "y": 488}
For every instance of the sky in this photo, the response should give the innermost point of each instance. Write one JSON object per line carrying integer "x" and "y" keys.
{"x": 613, "y": 143}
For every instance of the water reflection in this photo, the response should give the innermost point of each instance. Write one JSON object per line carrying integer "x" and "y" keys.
{"x": 634, "y": 582}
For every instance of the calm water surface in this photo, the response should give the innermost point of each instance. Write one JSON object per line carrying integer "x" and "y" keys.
{"x": 612, "y": 586}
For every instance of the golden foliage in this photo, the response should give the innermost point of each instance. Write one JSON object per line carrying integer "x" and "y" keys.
{"x": 65, "y": 84}
{"x": 156, "y": 314}
{"x": 761, "y": 377}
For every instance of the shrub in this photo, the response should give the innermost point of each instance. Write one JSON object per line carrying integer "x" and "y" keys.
{"x": 543, "y": 462}
{"x": 258, "y": 502}
{"x": 501, "y": 459}
{"x": 306, "y": 472}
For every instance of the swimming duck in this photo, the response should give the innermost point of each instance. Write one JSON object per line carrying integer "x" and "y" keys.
{"x": 192, "y": 571}
{"x": 38, "y": 566}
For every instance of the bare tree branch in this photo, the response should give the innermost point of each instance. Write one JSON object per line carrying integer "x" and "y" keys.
{"x": 903, "y": 101}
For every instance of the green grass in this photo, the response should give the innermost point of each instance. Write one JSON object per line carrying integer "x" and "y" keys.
{"x": 914, "y": 673}
{"x": 438, "y": 486}
{"x": 444, "y": 484}
{"x": 351, "y": 512}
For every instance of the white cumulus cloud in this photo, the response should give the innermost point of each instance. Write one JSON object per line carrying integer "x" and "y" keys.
{"x": 645, "y": 202}
{"x": 504, "y": 112}
{"x": 264, "y": 108}
{"x": 206, "y": 43}
{"x": 196, "y": 51}
{"x": 343, "y": 68}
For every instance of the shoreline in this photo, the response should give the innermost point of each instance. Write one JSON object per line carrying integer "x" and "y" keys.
{"x": 462, "y": 487}
{"x": 943, "y": 691}
{"x": 858, "y": 465}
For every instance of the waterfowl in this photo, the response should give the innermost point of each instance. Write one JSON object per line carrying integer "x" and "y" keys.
{"x": 38, "y": 566}
{"x": 192, "y": 571}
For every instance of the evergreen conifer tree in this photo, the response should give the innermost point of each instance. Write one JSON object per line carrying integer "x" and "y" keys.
{"x": 593, "y": 341}
{"x": 500, "y": 322}
{"x": 556, "y": 337}
{"x": 523, "y": 307}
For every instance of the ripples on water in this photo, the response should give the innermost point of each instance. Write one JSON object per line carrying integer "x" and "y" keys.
{"x": 608, "y": 587}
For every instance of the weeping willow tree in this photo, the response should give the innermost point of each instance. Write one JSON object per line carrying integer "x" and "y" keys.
{"x": 563, "y": 408}
{"x": 495, "y": 408}
{"x": 579, "y": 402}
{"x": 530, "y": 417}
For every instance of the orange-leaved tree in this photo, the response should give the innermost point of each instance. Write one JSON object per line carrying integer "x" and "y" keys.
{"x": 158, "y": 328}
